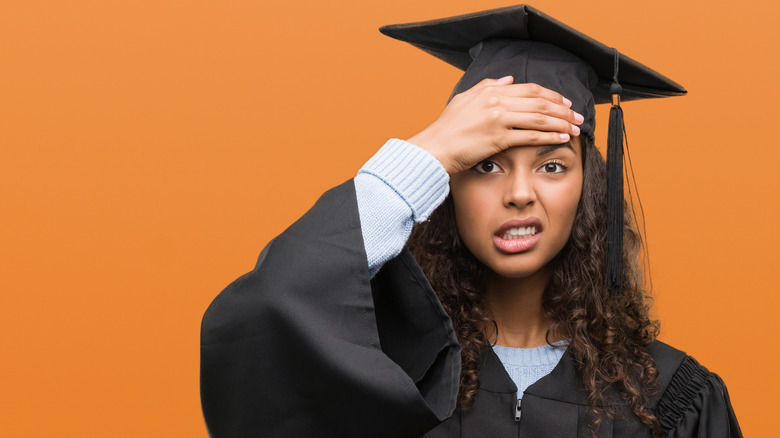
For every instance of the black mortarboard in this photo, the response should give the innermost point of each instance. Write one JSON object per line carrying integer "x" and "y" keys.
{"x": 533, "y": 47}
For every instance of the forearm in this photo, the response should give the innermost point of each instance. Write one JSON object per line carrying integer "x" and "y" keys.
{"x": 399, "y": 186}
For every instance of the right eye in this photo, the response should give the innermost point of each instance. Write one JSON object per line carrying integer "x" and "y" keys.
{"x": 487, "y": 166}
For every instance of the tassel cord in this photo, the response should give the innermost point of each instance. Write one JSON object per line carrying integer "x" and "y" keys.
{"x": 629, "y": 169}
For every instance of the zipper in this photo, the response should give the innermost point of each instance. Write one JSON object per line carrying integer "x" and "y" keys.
{"x": 518, "y": 409}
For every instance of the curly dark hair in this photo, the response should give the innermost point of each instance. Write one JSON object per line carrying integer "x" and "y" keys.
{"x": 608, "y": 334}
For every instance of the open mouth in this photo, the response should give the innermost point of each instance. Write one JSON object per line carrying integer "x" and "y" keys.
{"x": 518, "y": 235}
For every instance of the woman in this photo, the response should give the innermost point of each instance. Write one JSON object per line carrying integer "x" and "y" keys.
{"x": 338, "y": 332}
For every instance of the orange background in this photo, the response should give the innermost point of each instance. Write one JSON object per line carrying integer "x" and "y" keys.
{"x": 149, "y": 149}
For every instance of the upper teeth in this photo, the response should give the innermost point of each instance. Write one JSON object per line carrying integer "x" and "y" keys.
{"x": 519, "y": 233}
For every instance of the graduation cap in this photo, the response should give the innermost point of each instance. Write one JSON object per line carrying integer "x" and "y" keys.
{"x": 533, "y": 47}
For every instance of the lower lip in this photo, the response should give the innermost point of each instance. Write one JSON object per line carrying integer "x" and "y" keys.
{"x": 516, "y": 245}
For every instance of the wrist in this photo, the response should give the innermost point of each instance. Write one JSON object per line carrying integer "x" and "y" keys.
{"x": 436, "y": 149}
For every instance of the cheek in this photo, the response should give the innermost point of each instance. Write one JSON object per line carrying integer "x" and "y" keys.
{"x": 563, "y": 206}
{"x": 560, "y": 202}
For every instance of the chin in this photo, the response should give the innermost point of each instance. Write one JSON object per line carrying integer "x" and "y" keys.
{"x": 516, "y": 270}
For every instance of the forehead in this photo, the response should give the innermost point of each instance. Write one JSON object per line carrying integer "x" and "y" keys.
{"x": 574, "y": 145}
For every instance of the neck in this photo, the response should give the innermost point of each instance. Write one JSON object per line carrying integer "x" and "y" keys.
{"x": 516, "y": 305}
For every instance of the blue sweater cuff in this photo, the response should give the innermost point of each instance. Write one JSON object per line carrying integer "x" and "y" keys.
{"x": 399, "y": 185}
{"x": 414, "y": 174}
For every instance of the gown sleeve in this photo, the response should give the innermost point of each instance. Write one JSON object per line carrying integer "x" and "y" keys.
{"x": 696, "y": 404}
{"x": 304, "y": 346}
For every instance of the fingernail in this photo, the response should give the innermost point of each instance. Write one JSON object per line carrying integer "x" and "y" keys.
{"x": 578, "y": 117}
{"x": 575, "y": 129}
{"x": 565, "y": 137}
{"x": 567, "y": 102}
{"x": 506, "y": 78}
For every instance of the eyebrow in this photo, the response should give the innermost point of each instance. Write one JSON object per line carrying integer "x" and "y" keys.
{"x": 544, "y": 150}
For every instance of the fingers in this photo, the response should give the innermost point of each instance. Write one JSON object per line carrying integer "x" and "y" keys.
{"x": 539, "y": 105}
{"x": 527, "y": 90}
{"x": 494, "y": 115}
{"x": 522, "y": 137}
{"x": 535, "y": 90}
{"x": 538, "y": 122}
{"x": 488, "y": 82}
{"x": 531, "y": 99}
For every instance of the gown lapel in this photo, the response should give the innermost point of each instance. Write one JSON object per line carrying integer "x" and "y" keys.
{"x": 555, "y": 406}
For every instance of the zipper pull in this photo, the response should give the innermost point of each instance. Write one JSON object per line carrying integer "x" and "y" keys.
{"x": 518, "y": 409}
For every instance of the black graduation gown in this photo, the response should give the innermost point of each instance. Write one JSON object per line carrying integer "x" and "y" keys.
{"x": 307, "y": 345}
{"x": 693, "y": 403}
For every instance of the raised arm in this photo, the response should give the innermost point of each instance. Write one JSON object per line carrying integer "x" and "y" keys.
{"x": 305, "y": 345}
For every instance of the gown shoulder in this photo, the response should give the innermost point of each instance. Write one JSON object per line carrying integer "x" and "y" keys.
{"x": 692, "y": 401}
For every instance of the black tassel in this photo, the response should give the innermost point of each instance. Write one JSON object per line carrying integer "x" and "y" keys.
{"x": 615, "y": 199}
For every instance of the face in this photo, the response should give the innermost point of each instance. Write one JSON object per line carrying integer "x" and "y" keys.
{"x": 515, "y": 210}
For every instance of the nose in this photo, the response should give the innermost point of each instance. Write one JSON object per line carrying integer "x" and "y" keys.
{"x": 519, "y": 191}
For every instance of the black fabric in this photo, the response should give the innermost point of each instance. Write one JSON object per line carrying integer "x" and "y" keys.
{"x": 450, "y": 39}
{"x": 304, "y": 346}
{"x": 697, "y": 402}
{"x": 693, "y": 403}
{"x": 293, "y": 349}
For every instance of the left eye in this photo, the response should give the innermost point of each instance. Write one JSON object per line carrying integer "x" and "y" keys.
{"x": 553, "y": 168}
